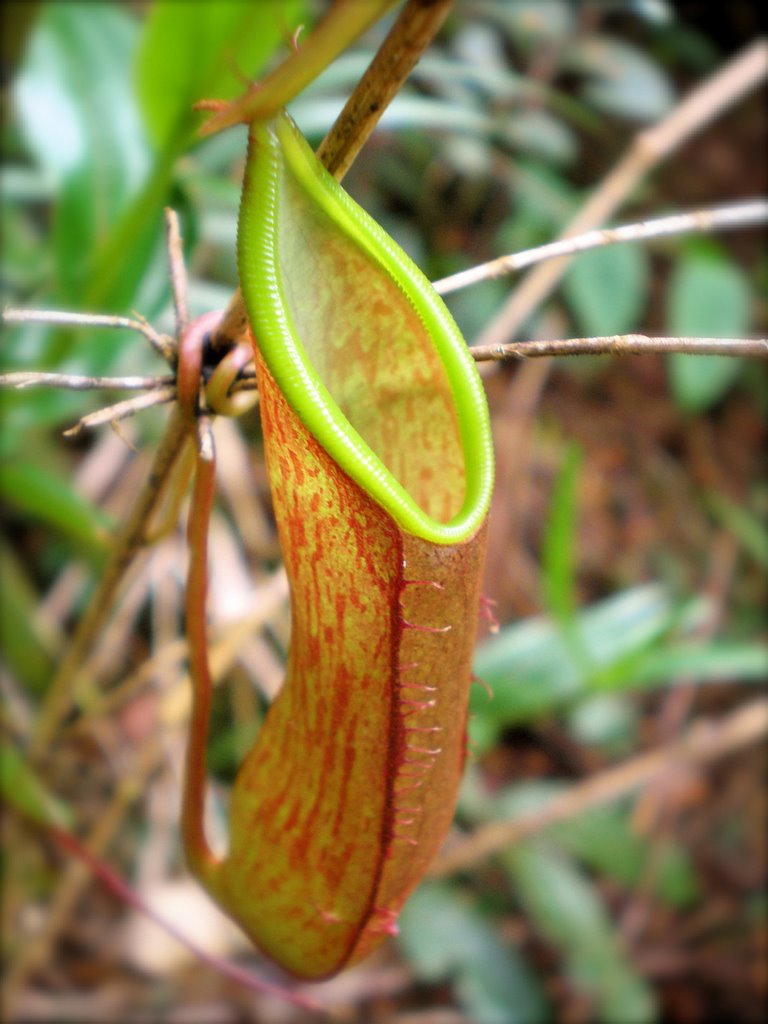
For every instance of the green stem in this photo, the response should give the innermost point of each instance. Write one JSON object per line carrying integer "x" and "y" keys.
{"x": 345, "y": 21}
{"x": 112, "y": 262}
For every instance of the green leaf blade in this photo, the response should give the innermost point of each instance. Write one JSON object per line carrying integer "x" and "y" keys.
{"x": 709, "y": 297}
{"x": 192, "y": 51}
{"x": 607, "y": 288}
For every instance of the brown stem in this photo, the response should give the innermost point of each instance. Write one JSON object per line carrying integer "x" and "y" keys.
{"x": 126, "y": 545}
{"x": 344, "y": 22}
{"x": 621, "y": 344}
{"x": 199, "y": 855}
{"x": 176, "y": 268}
{"x": 647, "y": 150}
{"x": 132, "y": 898}
{"x": 121, "y": 410}
{"x": 162, "y": 343}
{"x": 397, "y": 56}
{"x": 410, "y": 35}
{"x": 703, "y": 742}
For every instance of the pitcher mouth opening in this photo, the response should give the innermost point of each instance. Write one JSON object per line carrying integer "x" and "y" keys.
{"x": 362, "y": 346}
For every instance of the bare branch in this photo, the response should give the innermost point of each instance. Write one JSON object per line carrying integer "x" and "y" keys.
{"x": 75, "y": 875}
{"x": 410, "y": 35}
{"x": 647, "y": 150}
{"x": 704, "y": 741}
{"x": 178, "y": 272}
{"x": 72, "y": 382}
{"x": 133, "y": 898}
{"x": 120, "y": 410}
{"x": 127, "y": 543}
{"x": 162, "y": 343}
{"x": 714, "y": 219}
{"x": 621, "y": 344}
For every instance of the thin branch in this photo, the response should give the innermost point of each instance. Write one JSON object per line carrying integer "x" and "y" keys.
{"x": 343, "y": 23}
{"x": 74, "y": 878}
{"x": 225, "y": 643}
{"x": 410, "y": 35}
{"x": 412, "y": 32}
{"x": 706, "y": 102}
{"x": 621, "y": 344}
{"x": 127, "y": 543}
{"x": 177, "y": 270}
{"x": 128, "y": 895}
{"x": 121, "y": 410}
{"x": 160, "y": 342}
{"x": 713, "y": 219}
{"x": 705, "y": 741}
{"x": 161, "y": 389}
{"x": 73, "y": 382}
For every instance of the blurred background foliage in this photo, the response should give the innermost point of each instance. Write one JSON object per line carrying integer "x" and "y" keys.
{"x": 628, "y": 549}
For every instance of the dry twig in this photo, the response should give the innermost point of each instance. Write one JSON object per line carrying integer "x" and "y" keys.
{"x": 621, "y": 344}
{"x": 706, "y": 102}
{"x": 121, "y": 410}
{"x": 705, "y": 741}
{"x": 713, "y": 219}
{"x": 162, "y": 343}
{"x": 126, "y": 544}
{"x": 176, "y": 269}
{"x": 74, "y": 382}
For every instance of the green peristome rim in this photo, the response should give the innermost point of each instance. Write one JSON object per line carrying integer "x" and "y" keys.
{"x": 280, "y": 146}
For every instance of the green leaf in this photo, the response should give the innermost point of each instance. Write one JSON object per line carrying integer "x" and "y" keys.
{"x": 531, "y": 670}
{"x": 25, "y": 650}
{"x": 607, "y": 289}
{"x": 602, "y": 838}
{"x": 568, "y": 912}
{"x": 534, "y": 670}
{"x": 79, "y": 118}
{"x": 530, "y": 21}
{"x": 26, "y": 258}
{"x": 558, "y": 556}
{"x": 607, "y": 721}
{"x": 63, "y": 117}
{"x": 747, "y": 528}
{"x": 44, "y": 496}
{"x": 23, "y": 790}
{"x": 623, "y": 80}
{"x": 709, "y": 297}
{"x": 718, "y": 661}
{"x": 192, "y": 51}
{"x": 543, "y": 202}
{"x": 444, "y": 936}
{"x": 559, "y": 561}
{"x": 539, "y": 133}
{"x": 605, "y": 840}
